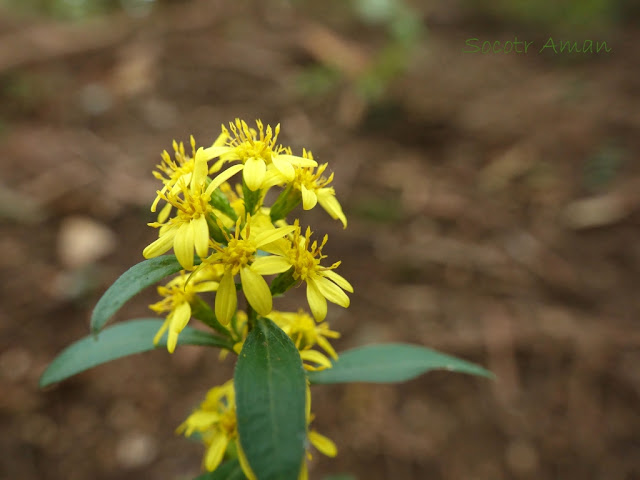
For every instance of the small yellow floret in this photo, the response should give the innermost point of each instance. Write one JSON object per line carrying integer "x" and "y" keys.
{"x": 257, "y": 150}
{"x": 238, "y": 256}
{"x": 178, "y": 295}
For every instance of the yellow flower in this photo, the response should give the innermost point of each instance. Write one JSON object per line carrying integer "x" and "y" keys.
{"x": 323, "y": 444}
{"x": 305, "y": 334}
{"x": 178, "y": 295}
{"x": 188, "y": 230}
{"x": 239, "y": 331}
{"x": 257, "y": 150}
{"x": 312, "y": 185}
{"x": 322, "y": 282}
{"x": 170, "y": 172}
{"x": 215, "y": 421}
{"x": 238, "y": 256}
{"x": 235, "y": 198}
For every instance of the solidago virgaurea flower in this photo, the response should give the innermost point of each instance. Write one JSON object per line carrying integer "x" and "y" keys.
{"x": 322, "y": 282}
{"x": 238, "y": 256}
{"x": 305, "y": 334}
{"x": 257, "y": 150}
{"x": 311, "y": 185}
{"x": 188, "y": 230}
{"x": 178, "y": 295}
{"x": 170, "y": 172}
{"x": 322, "y": 443}
{"x": 216, "y": 423}
{"x": 236, "y": 202}
{"x": 239, "y": 330}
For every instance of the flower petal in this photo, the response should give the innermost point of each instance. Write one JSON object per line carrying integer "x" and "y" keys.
{"x": 198, "y": 420}
{"x": 181, "y": 316}
{"x": 161, "y": 245}
{"x": 226, "y": 299}
{"x": 332, "y": 292}
{"x": 272, "y": 178}
{"x": 215, "y": 452}
{"x": 164, "y": 213}
{"x": 154, "y": 205}
{"x": 183, "y": 245}
{"x": 298, "y": 161}
{"x": 317, "y": 302}
{"x": 316, "y": 357}
{"x": 339, "y": 279}
{"x": 208, "y": 286}
{"x": 272, "y": 235}
{"x": 328, "y": 201}
{"x": 304, "y": 472}
{"x": 270, "y": 265}
{"x": 326, "y": 346}
{"x": 307, "y": 405}
{"x": 200, "y": 169}
{"x": 201, "y": 236}
{"x": 216, "y": 149}
{"x": 172, "y": 341}
{"x": 254, "y": 172}
{"x": 223, "y": 177}
{"x": 179, "y": 319}
{"x": 323, "y": 444}
{"x": 309, "y": 198}
{"x": 256, "y": 290}
{"x": 284, "y": 167}
{"x": 244, "y": 463}
{"x": 161, "y": 331}
{"x": 221, "y": 140}
{"x": 279, "y": 247}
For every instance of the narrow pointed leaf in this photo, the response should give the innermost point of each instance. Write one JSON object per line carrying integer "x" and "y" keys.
{"x": 230, "y": 470}
{"x": 129, "y": 284}
{"x": 126, "y": 338}
{"x": 270, "y": 401}
{"x": 389, "y": 363}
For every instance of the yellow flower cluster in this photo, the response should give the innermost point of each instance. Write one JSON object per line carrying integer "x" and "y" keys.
{"x": 231, "y": 232}
{"x": 215, "y": 422}
{"x": 230, "y": 242}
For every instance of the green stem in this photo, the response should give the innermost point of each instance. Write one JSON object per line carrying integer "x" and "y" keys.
{"x": 282, "y": 283}
{"x": 252, "y": 317}
{"x": 203, "y": 312}
{"x": 214, "y": 231}
{"x": 287, "y": 201}
{"x": 251, "y": 199}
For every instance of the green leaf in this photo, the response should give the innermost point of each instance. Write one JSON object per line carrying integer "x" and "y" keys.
{"x": 391, "y": 362}
{"x": 230, "y": 470}
{"x": 126, "y": 338}
{"x": 270, "y": 403}
{"x": 283, "y": 282}
{"x": 251, "y": 198}
{"x": 129, "y": 284}
{"x": 220, "y": 201}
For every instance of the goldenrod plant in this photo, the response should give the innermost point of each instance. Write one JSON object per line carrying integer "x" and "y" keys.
{"x": 230, "y": 248}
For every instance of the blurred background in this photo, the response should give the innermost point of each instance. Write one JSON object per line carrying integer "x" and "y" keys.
{"x": 493, "y": 214}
